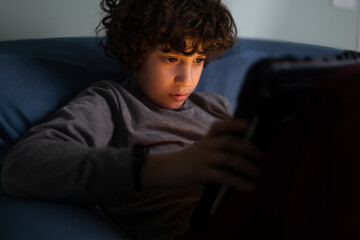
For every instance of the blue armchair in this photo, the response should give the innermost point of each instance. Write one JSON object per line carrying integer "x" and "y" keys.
{"x": 39, "y": 76}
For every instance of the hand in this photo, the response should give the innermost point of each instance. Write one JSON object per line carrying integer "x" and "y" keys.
{"x": 222, "y": 148}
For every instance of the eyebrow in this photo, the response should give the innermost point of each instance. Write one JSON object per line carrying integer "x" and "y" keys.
{"x": 203, "y": 54}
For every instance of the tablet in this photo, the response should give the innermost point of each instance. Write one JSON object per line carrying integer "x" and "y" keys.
{"x": 271, "y": 93}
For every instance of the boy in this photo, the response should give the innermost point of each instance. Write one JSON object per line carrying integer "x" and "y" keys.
{"x": 140, "y": 148}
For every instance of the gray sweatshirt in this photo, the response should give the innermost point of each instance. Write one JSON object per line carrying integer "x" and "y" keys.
{"x": 82, "y": 154}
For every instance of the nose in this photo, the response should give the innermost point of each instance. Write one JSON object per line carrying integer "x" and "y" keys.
{"x": 183, "y": 76}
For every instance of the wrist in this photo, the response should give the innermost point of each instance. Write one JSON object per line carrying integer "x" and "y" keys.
{"x": 140, "y": 154}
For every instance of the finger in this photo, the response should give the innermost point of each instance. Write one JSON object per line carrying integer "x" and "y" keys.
{"x": 236, "y": 145}
{"x": 238, "y": 165}
{"x": 236, "y": 126}
{"x": 245, "y": 148}
{"x": 230, "y": 179}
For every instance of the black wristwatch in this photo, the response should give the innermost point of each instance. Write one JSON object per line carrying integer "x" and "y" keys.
{"x": 140, "y": 153}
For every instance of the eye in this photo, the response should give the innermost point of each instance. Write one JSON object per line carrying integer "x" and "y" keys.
{"x": 170, "y": 59}
{"x": 200, "y": 60}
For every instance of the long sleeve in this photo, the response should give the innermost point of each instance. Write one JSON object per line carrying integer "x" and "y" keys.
{"x": 73, "y": 157}
{"x": 82, "y": 153}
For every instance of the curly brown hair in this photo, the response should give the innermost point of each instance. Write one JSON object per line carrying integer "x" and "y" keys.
{"x": 135, "y": 28}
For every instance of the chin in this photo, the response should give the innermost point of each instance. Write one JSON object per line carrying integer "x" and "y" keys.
{"x": 173, "y": 106}
{"x": 169, "y": 103}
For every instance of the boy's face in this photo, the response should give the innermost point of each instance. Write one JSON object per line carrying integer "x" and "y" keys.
{"x": 169, "y": 78}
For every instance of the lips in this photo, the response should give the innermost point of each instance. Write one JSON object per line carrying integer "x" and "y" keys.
{"x": 180, "y": 96}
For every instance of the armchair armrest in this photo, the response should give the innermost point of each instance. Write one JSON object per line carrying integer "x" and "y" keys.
{"x": 29, "y": 219}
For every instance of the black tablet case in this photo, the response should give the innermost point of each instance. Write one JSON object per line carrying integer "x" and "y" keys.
{"x": 270, "y": 95}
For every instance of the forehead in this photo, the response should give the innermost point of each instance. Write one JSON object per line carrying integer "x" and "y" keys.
{"x": 188, "y": 46}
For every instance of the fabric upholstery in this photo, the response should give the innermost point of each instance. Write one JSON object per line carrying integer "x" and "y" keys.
{"x": 38, "y": 76}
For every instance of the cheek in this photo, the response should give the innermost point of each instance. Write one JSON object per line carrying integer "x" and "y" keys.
{"x": 159, "y": 79}
{"x": 196, "y": 75}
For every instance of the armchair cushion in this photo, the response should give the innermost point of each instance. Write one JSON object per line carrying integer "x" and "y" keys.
{"x": 38, "y": 76}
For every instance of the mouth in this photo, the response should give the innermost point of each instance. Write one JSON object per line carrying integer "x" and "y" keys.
{"x": 180, "y": 96}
